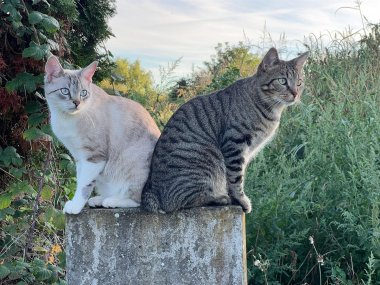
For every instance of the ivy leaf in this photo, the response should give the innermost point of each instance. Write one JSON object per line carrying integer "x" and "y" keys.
{"x": 46, "y": 193}
{"x": 4, "y": 271}
{"x": 50, "y": 24}
{"x": 20, "y": 188}
{"x": 55, "y": 217}
{"x": 17, "y": 172}
{"x": 35, "y": 17}
{"x": 5, "y": 201}
{"x": 10, "y": 156}
{"x": 10, "y": 10}
{"x": 33, "y": 134}
{"x": 5, "y": 212}
{"x": 34, "y": 2}
{"x": 36, "y": 51}
{"x": 36, "y": 119}
{"x": 40, "y": 271}
{"x": 24, "y": 81}
{"x": 32, "y": 107}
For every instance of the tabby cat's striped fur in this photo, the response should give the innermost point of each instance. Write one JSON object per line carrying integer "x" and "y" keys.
{"x": 202, "y": 154}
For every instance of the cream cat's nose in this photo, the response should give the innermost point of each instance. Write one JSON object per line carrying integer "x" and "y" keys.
{"x": 76, "y": 103}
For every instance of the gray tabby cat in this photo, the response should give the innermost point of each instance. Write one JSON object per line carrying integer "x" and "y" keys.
{"x": 204, "y": 150}
{"x": 111, "y": 138}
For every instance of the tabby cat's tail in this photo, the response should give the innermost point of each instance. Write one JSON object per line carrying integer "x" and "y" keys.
{"x": 149, "y": 200}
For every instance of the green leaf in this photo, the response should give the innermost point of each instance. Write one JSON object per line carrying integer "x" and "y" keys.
{"x": 34, "y": 2}
{"x": 5, "y": 212}
{"x": 24, "y": 81}
{"x": 47, "y": 193}
{"x": 33, "y": 134}
{"x": 50, "y": 24}
{"x": 55, "y": 217}
{"x": 65, "y": 156}
{"x": 36, "y": 51}
{"x": 10, "y": 156}
{"x": 35, "y": 17}
{"x": 32, "y": 107}
{"x": 17, "y": 172}
{"x": 5, "y": 200}
{"x": 39, "y": 270}
{"x": 59, "y": 220}
{"x": 21, "y": 187}
{"x": 36, "y": 119}
{"x": 10, "y": 10}
{"x": 4, "y": 271}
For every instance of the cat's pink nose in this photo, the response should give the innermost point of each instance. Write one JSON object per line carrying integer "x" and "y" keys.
{"x": 293, "y": 91}
{"x": 76, "y": 103}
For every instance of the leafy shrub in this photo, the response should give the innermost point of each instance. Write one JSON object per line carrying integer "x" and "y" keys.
{"x": 315, "y": 189}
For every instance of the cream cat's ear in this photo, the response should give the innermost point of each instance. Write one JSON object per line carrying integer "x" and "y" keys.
{"x": 53, "y": 68}
{"x": 269, "y": 60}
{"x": 300, "y": 61}
{"x": 88, "y": 72}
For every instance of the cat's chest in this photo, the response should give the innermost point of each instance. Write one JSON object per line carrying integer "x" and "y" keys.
{"x": 68, "y": 132}
{"x": 258, "y": 142}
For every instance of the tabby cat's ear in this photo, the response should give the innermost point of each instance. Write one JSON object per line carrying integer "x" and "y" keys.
{"x": 269, "y": 60}
{"x": 300, "y": 61}
{"x": 53, "y": 68}
{"x": 89, "y": 71}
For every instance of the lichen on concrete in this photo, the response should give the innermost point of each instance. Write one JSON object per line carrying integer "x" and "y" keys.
{"x": 129, "y": 246}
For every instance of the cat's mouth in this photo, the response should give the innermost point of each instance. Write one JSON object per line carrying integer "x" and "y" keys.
{"x": 289, "y": 100}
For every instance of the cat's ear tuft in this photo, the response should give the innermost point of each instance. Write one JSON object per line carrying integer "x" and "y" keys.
{"x": 89, "y": 71}
{"x": 300, "y": 60}
{"x": 269, "y": 60}
{"x": 53, "y": 68}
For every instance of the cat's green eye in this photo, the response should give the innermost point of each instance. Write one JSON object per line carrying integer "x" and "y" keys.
{"x": 83, "y": 93}
{"x": 65, "y": 91}
{"x": 282, "y": 81}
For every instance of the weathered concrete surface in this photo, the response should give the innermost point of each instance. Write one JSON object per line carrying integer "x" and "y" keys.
{"x": 128, "y": 246}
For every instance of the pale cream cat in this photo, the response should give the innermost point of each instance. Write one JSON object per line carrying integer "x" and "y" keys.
{"x": 111, "y": 138}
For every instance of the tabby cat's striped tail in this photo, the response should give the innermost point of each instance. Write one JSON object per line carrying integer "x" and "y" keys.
{"x": 149, "y": 200}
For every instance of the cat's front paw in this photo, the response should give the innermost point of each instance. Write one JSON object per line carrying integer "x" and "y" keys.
{"x": 72, "y": 208}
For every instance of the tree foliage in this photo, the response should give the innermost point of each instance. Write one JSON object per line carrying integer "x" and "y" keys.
{"x": 128, "y": 80}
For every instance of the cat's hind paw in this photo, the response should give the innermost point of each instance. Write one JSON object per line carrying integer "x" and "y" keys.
{"x": 117, "y": 202}
{"x": 96, "y": 201}
{"x": 72, "y": 207}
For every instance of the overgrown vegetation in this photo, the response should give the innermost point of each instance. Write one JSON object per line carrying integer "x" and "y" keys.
{"x": 315, "y": 189}
{"x": 36, "y": 174}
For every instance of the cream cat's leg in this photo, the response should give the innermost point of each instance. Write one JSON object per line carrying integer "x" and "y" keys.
{"x": 86, "y": 174}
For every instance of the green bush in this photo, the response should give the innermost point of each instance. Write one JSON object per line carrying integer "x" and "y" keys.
{"x": 316, "y": 189}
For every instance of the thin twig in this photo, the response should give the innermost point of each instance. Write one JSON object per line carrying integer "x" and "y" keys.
{"x": 41, "y": 181}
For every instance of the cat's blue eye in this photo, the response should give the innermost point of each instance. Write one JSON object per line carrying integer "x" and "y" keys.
{"x": 83, "y": 93}
{"x": 282, "y": 81}
{"x": 65, "y": 91}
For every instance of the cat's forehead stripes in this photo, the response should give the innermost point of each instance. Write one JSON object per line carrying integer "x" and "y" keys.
{"x": 74, "y": 81}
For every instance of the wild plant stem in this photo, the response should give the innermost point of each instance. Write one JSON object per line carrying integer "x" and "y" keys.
{"x": 41, "y": 182}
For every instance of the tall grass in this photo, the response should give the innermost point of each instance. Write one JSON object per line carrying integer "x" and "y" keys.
{"x": 316, "y": 189}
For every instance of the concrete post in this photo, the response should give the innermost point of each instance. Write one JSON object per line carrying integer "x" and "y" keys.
{"x": 128, "y": 246}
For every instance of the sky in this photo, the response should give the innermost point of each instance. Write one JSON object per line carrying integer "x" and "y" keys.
{"x": 158, "y": 32}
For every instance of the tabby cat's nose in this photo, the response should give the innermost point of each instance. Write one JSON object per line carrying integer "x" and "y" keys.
{"x": 293, "y": 91}
{"x": 76, "y": 102}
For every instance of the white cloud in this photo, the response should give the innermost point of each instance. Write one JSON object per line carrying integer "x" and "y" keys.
{"x": 158, "y": 31}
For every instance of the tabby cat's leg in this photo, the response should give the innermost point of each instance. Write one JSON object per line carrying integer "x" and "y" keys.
{"x": 86, "y": 175}
{"x": 234, "y": 161}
